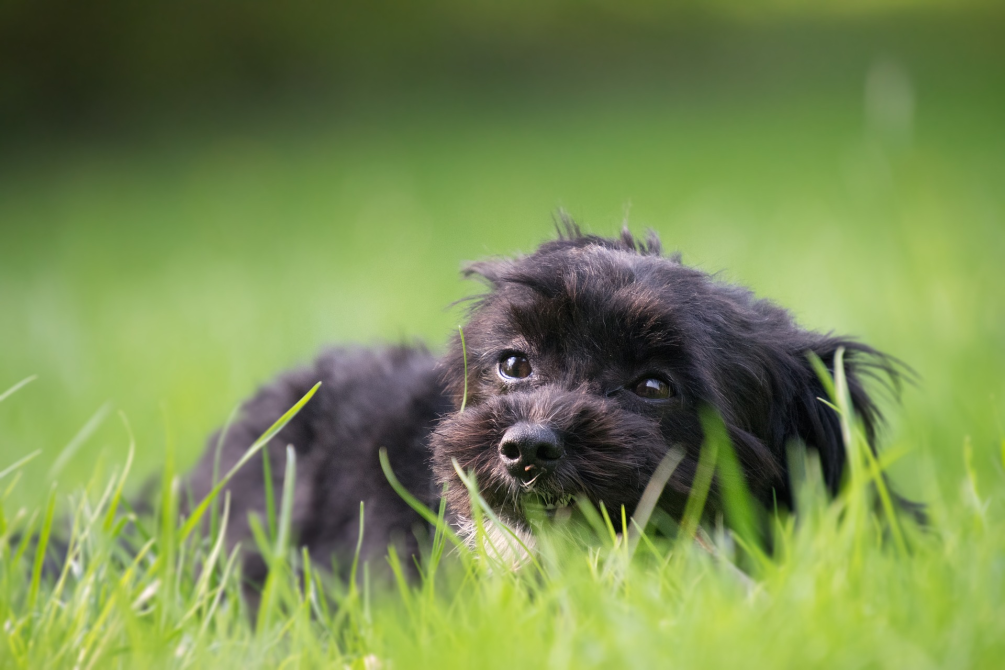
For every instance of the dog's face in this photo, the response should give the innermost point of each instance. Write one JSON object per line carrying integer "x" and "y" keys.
{"x": 591, "y": 358}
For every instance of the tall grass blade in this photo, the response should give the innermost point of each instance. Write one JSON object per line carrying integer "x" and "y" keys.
{"x": 479, "y": 508}
{"x": 202, "y": 586}
{"x": 695, "y": 506}
{"x": 276, "y": 555}
{"x": 270, "y": 498}
{"x": 740, "y": 510}
{"x": 41, "y": 548}
{"x": 16, "y": 465}
{"x": 217, "y": 451}
{"x": 80, "y": 438}
{"x": 200, "y": 510}
{"x": 113, "y": 505}
{"x": 650, "y": 496}
{"x": 435, "y": 520}
{"x": 286, "y": 510}
{"x": 464, "y": 353}
{"x": 14, "y": 389}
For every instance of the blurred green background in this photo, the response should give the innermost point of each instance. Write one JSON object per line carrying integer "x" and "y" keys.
{"x": 194, "y": 196}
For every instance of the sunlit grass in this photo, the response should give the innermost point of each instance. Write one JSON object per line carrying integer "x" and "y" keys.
{"x": 841, "y": 585}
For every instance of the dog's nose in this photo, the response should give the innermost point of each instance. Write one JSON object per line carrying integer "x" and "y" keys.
{"x": 529, "y": 449}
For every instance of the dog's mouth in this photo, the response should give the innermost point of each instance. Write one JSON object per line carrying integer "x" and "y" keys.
{"x": 547, "y": 505}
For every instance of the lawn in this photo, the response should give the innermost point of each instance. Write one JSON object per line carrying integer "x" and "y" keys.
{"x": 153, "y": 280}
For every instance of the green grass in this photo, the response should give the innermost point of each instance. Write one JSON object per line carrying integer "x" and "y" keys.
{"x": 151, "y": 283}
{"x": 876, "y": 593}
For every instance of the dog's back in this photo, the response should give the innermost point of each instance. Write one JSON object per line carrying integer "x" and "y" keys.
{"x": 369, "y": 399}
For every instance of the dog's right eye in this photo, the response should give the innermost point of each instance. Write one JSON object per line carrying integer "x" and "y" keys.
{"x": 514, "y": 366}
{"x": 652, "y": 388}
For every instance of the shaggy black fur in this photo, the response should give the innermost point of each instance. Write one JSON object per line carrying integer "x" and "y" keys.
{"x": 586, "y": 361}
{"x": 369, "y": 399}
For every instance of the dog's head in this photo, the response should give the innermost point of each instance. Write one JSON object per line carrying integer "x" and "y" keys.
{"x": 591, "y": 358}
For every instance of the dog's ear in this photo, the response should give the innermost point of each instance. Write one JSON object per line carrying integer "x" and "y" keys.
{"x": 491, "y": 271}
{"x": 810, "y": 420}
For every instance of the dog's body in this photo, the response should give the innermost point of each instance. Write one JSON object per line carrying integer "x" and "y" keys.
{"x": 586, "y": 362}
{"x": 369, "y": 399}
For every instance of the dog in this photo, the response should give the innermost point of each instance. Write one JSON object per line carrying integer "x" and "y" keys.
{"x": 578, "y": 370}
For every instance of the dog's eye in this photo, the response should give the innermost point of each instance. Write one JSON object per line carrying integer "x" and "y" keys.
{"x": 514, "y": 366}
{"x": 652, "y": 388}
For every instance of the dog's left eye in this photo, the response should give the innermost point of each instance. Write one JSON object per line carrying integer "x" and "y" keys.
{"x": 651, "y": 388}
{"x": 514, "y": 366}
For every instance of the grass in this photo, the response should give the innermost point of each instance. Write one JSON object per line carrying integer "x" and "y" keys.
{"x": 152, "y": 282}
{"x": 174, "y": 599}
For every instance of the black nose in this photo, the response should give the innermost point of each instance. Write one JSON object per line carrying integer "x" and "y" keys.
{"x": 529, "y": 449}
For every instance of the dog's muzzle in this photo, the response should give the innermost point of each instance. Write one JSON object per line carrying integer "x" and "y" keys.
{"x": 529, "y": 450}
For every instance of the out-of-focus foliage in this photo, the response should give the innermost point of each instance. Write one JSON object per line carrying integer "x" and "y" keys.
{"x": 99, "y": 62}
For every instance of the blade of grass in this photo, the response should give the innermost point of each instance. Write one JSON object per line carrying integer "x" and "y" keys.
{"x": 401, "y": 581}
{"x": 224, "y": 581}
{"x": 276, "y": 584}
{"x": 41, "y": 547}
{"x": 593, "y": 517}
{"x": 29, "y": 530}
{"x": 884, "y": 496}
{"x": 18, "y": 463}
{"x": 286, "y": 510}
{"x": 740, "y": 511}
{"x": 14, "y": 389}
{"x": 214, "y": 519}
{"x": 477, "y": 502}
{"x": 700, "y": 486}
{"x": 433, "y": 519}
{"x": 464, "y": 353}
{"x": 609, "y": 525}
{"x": 198, "y": 512}
{"x": 168, "y": 545}
{"x": 80, "y": 438}
{"x": 359, "y": 548}
{"x": 113, "y": 506}
{"x": 201, "y": 591}
{"x": 650, "y": 496}
{"x": 270, "y": 499}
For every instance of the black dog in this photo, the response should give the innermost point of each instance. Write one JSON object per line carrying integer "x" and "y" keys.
{"x": 586, "y": 362}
